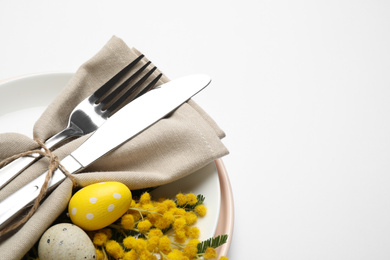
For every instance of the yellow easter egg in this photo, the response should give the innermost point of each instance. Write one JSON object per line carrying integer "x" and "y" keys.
{"x": 99, "y": 205}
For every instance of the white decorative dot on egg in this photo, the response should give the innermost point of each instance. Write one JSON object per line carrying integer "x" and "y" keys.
{"x": 93, "y": 200}
{"x": 111, "y": 207}
{"x": 99, "y": 205}
{"x": 65, "y": 241}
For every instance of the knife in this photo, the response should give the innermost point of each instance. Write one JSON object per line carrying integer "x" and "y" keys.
{"x": 142, "y": 112}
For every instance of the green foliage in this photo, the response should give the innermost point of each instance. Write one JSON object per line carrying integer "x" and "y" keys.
{"x": 212, "y": 242}
{"x": 200, "y": 201}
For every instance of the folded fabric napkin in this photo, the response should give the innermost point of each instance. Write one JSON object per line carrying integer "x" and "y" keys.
{"x": 174, "y": 147}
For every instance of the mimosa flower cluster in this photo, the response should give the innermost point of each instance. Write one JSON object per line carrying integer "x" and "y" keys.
{"x": 157, "y": 230}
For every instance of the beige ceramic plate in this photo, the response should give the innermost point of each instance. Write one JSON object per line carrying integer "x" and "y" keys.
{"x": 23, "y": 100}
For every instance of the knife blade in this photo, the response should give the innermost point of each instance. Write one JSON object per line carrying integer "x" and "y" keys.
{"x": 122, "y": 126}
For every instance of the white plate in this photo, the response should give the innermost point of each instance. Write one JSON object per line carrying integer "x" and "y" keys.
{"x": 22, "y": 101}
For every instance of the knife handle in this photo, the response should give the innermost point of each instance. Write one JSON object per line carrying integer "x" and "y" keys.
{"x": 12, "y": 206}
{"x": 24, "y": 197}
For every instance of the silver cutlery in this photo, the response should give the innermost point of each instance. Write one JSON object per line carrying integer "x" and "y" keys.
{"x": 109, "y": 136}
{"x": 90, "y": 114}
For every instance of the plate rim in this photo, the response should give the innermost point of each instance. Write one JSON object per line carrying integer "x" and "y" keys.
{"x": 226, "y": 212}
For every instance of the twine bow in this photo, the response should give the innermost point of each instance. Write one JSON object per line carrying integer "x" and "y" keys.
{"x": 54, "y": 164}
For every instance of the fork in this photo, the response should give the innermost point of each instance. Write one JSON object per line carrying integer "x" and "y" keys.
{"x": 91, "y": 113}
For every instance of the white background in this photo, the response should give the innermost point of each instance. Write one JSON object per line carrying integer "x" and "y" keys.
{"x": 301, "y": 88}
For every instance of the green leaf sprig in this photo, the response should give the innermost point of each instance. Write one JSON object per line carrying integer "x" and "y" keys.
{"x": 212, "y": 242}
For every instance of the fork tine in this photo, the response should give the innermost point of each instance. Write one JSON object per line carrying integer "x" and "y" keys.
{"x": 115, "y": 93}
{"x": 149, "y": 86}
{"x": 99, "y": 93}
{"x": 121, "y": 101}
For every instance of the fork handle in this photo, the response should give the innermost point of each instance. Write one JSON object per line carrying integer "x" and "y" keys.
{"x": 11, "y": 170}
{"x": 14, "y": 168}
{"x": 65, "y": 134}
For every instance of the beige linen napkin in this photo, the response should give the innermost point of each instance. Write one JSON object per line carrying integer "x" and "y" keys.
{"x": 174, "y": 147}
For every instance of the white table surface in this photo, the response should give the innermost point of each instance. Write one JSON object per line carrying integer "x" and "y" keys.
{"x": 301, "y": 88}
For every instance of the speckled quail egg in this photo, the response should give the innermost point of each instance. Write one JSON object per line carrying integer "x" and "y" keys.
{"x": 65, "y": 242}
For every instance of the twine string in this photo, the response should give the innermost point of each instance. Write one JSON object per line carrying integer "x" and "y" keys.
{"x": 54, "y": 164}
